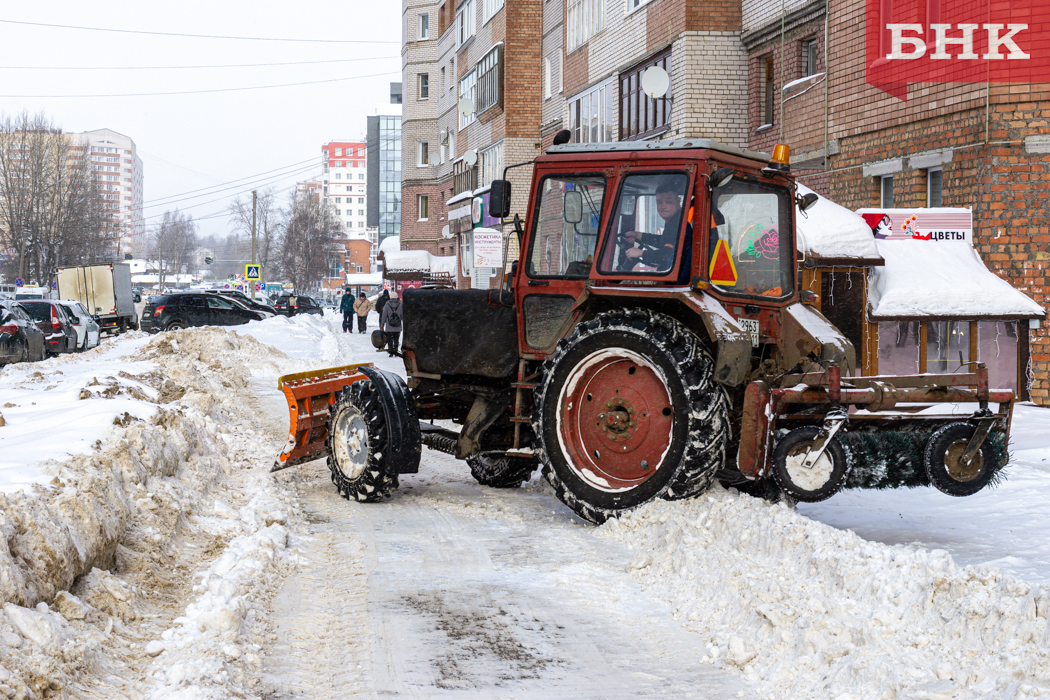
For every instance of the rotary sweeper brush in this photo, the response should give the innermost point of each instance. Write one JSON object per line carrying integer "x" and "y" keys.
{"x": 650, "y": 339}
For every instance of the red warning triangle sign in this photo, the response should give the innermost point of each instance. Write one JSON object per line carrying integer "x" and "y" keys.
{"x": 722, "y": 270}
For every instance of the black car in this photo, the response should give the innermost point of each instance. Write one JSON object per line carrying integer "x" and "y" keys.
{"x": 303, "y": 305}
{"x": 56, "y": 321}
{"x": 192, "y": 309}
{"x": 20, "y": 338}
{"x": 257, "y": 305}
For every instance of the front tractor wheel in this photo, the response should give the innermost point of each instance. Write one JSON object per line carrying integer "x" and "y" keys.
{"x": 501, "y": 472}
{"x": 628, "y": 411}
{"x": 356, "y": 444}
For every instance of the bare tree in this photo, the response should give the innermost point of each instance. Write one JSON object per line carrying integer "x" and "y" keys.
{"x": 51, "y": 209}
{"x": 270, "y": 224}
{"x": 309, "y": 232}
{"x": 173, "y": 243}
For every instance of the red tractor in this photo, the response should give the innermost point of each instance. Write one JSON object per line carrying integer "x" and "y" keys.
{"x": 650, "y": 339}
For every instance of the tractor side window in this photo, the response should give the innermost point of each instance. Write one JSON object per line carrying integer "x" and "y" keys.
{"x": 647, "y": 224}
{"x": 568, "y": 218}
{"x": 748, "y": 255}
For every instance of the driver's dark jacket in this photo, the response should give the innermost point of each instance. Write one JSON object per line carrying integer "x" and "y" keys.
{"x": 663, "y": 257}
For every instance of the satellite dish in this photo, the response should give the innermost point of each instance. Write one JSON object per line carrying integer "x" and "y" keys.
{"x": 466, "y": 106}
{"x": 655, "y": 82}
{"x": 471, "y": 158}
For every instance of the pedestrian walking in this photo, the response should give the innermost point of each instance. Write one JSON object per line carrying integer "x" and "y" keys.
{"x": 347, "y": 307}
{"x": 391, "y": 323}
{"x": 381, "y": 302}
{"x": 293, "y": 304}
{"x": 361, "y": 307}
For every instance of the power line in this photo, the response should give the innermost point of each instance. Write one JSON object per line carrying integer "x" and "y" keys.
{"x": 198, "y": 36}
{"x": 226, "y": 197}
{"x": 251, "y": 186}
{"x": 201, "y": 92}
{"x": 227, "y": 65}
{"x": 230, "y": 182}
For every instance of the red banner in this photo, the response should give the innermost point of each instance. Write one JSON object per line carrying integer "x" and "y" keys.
{"x": 956, "y": 41}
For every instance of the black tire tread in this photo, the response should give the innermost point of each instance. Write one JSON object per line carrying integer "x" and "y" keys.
{"x": 834, "y": 448}
{"x": 708, "y": 432}
{"x": 501, "y": 472}
{"x": 374, "y": 484}
{"x": 933, "y": 460}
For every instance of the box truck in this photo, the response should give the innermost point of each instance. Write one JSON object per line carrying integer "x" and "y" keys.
{"x": 105, "y": 289}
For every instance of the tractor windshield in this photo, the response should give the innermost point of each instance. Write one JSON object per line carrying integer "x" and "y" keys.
{"x": 751, "y": 238}
{"x": 569, "y": 211}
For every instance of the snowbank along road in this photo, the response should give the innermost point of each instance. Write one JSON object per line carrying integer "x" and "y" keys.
{"x": 148, "y": 553}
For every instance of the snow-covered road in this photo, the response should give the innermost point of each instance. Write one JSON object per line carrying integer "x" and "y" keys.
{"x": 449, "y": 589}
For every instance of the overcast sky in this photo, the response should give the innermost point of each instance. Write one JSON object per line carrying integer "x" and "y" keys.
{"x": 188, "y": 142}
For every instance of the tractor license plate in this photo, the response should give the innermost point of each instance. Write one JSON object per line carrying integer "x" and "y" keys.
{"x": 751, "y": 326}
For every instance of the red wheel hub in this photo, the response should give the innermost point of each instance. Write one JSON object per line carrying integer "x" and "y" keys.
{"x": 615, "y": 420}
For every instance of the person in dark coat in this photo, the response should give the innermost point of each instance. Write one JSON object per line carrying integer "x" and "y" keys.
{"x": 347, "y": 307}
{"x": 381, "y": 302}
{"x": 391, "y": 322}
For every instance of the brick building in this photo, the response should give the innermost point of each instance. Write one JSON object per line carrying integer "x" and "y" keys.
{"x": 978, "y": 146}
{"x": 351, "y": 255}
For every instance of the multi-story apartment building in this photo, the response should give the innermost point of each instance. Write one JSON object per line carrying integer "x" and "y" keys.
{"x": 119, "y": 175}
{"x": 384, "y": 167}
{"x": 481, "y": 118}
{"x": 345, "y": 182}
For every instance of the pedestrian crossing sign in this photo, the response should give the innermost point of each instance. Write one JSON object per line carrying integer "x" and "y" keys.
{"x": 253, "y": 273}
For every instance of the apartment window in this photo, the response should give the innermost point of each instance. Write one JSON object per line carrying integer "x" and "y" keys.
{"x": 490, "y": 164}
{"x": 467, "y": 85}
{"x": 451, "y": 73}
{"x": 360, "y": 176}
{"x": 443, "y": 83}
{"x": 338, "y": 176}
{"x": 489, "y": 81}
{"x": 338, "y": 200}
{"x": 338, "y": 152}
{"x": 424, "y": 207}
{"x": 424, "y": 86}
{"x": 424, "y": 153}
{"x": 491, "y": 7}
{"x": 424, "y": 26}
{"x": 360, "y": 200}
{"x": 933, "y": 187}
{"x": 768, "y": 93}
{"x": 360, "y": 212}
{"x": 809, "y": 57}
{"x": 633, "y": 5}
{"x": 886, "y": 201}
{"x": 584, "y": 19}
{"x": 592, "y": 117}
{"x": 640, "y": 116}
{"x": 546, "y": 78}
{"x": 464, "y": 21}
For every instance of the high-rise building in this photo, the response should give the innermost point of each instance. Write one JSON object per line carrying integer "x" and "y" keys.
{"x": 345, "y": 183}
{"x": 384, "y": 167}
{"x": 118, "y": 172}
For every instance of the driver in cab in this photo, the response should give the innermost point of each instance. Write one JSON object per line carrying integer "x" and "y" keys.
{"x": 652, "y": 250}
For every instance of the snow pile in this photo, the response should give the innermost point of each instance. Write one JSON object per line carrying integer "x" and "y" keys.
{"x": 184, "y": 426}
{"x": 941, "y": 279}
{"x": 831, "y": 231}
{"x": 807, "y": 611}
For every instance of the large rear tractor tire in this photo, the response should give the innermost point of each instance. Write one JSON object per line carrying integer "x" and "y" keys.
{"x": 627, "y": 412}
{"x": 501, "y": 472}
{"x": 357, "y": 443}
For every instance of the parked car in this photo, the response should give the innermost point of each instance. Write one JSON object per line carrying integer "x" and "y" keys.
{"x": 89, "y": 333}
{"x": 303, "y": 305}
{"x": 20, "y": 338}
{"x": 56, "y": 322}
{"x": 258, "y": 304}
{"x": 194, "y": 309}
{"x": 136, "y": 296}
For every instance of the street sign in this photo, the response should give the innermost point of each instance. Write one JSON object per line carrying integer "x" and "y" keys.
{"x": 19, "y": 282}
{"x": 253, "y": 273}
{"x": 54, "y": 285}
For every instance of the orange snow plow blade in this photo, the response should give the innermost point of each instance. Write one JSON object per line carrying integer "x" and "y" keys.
{"x": 309, "y": 395}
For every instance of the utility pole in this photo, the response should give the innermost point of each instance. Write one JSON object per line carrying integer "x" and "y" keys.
{"x": 254, "y": 200}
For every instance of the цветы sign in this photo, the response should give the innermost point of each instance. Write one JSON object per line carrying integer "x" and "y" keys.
{"x": 956, "y": 41}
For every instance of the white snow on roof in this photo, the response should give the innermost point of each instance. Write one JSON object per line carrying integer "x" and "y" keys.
{"x": 391, "y": 244}
{"x": 419, "y": 261}
{"x": 364, "y": 279}
{"x": 941, "y": 279}
{"x": 829, "y": 230}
